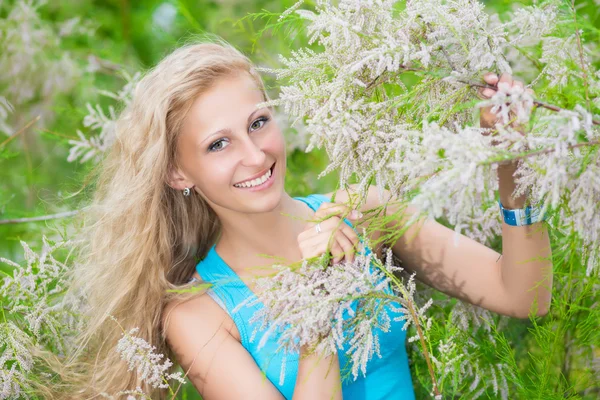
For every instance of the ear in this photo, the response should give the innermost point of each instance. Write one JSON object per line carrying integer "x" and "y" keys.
{"x": 177, "y": 179}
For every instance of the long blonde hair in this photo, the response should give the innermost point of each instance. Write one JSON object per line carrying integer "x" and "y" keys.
{"x": 142, "y": 237}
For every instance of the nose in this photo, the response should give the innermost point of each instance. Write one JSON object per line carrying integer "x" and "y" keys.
{"x": 253, "y": 154}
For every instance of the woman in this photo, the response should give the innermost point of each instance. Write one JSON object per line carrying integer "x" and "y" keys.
{"x": 193, "y": 190}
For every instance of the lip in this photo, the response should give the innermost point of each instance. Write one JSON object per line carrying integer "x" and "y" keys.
{"x": 257, "y": 175}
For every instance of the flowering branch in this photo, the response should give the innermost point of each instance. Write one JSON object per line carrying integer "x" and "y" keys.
{"x": 536, "y": 102}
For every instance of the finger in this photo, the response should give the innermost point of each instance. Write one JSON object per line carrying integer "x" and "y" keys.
{"x": 329, "y": 226}
{"x": 487, "y": 92}
{"x": 337, "y": 252}
{"x": 326, "y": 240}
{"x": 331, "y": 229}
{"x": 506, "y": 80}
{"x": 319, "y": 243}
{"x": 351, "y": 234}
{"x": 518, "y": 83}
{"x": 346, "y": 245}
{"x": 491, "y": 78}
{"x": 335, "y": 224}
{"x": 313, "y": 247}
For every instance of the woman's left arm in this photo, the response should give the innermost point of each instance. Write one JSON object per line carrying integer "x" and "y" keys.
{"x": 516, "y": 283}
{"x": 508, "y": 284}
{"x": 526, "y": 263}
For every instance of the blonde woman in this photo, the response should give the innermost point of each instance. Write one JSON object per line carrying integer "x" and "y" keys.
{"x": 193, "y": 191}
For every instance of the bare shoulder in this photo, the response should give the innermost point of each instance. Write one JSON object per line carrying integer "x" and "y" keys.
{"x": 201, "y": 313}
{"x": 199, "y": 332}
{"x": 194, "y": 330}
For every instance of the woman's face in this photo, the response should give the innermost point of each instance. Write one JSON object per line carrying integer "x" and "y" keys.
{"x": 225, "y": 140}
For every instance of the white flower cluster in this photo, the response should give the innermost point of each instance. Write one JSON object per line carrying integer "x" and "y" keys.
{"x": 457, "y": 355}
{"x": 93, "y": 147}
{"x": 508, "y": 100}
{"x": 16, "y": 362}
{"x": 34, "y": 67}
{"x": 30, "y": 289}
{"x": 36, "y": 313}
{"x": 420, "y": 138}
{"x": 326, "y": 308}
{"x": 140, "y": 355}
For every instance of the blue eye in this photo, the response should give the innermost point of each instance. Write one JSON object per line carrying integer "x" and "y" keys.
{"x": 215, "y": 145}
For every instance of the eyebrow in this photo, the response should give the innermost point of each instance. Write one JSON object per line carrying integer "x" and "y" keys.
{"x": 227, "y": 130}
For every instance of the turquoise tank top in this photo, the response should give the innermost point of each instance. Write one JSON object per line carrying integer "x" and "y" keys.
{"x": 387, "y": 377}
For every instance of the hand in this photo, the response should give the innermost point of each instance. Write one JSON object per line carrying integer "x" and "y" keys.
{"x": 343, "y": 237}
{"x": 505, "y": 84}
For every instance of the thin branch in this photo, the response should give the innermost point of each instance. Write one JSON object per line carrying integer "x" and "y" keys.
{"x": 538, "y": 152}
{"x": 40, "y": 218}
{"x": 537, "y": 103}
{"x": 401, "y": 66}
{"x": 485, "y": 86}
{"x": 23, "y": 129}
{"x": 581, "y": 56}
{"x": 424, "y": 347}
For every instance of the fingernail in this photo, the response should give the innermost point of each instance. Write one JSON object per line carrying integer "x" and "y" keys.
{"x": 356, "y": 214}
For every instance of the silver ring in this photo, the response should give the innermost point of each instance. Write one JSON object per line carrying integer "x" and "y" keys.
{"x": 318, "y": 227}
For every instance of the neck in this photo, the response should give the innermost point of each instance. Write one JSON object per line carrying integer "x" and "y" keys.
{"x": 274, "y": 233}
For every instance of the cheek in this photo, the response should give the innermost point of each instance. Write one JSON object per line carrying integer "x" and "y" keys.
{"x": 275, "y": 142}
{"x": 216, "y": 173}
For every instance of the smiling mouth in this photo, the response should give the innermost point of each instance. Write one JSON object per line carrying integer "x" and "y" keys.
{"x": 270, "y": 177}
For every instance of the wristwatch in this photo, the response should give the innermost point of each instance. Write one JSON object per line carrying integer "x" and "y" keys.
{"x": 521, "y": 216}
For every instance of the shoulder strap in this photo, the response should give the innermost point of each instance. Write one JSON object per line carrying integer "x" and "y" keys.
{"x": 228, "y": 290}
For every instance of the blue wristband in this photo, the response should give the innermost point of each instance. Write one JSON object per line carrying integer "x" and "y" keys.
{"x": 521, "y": 216}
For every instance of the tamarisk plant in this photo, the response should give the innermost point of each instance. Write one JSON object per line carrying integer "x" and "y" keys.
{"x": 389, "y": 89}
{"x": 92, "y": 147}
{"x": 323, "y": 307}
{"x": 392, "y": 93}
{"x": 36, "y": 317}
{"x": 36, "y": 69}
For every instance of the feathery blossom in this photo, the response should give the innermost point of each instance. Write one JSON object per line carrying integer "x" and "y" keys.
{"x": 140, "y": 355}
{"x": 93, "y": 147}
{"x": 328, "y": 307}
{"x": 16, "y": 362}
{"x": 35, "y": 69}
{"x": 420, "y": 138}
{"x": 30, "y": 288}
{"x": 557, "y": 52}
{"x": 458, "y": 355}
{"x": 510, "y": 99}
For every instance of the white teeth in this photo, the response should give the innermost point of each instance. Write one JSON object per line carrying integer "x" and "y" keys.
{"x": 255, "y": 182}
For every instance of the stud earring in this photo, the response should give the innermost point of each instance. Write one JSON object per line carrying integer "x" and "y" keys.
{"x": 186, "y": 191}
